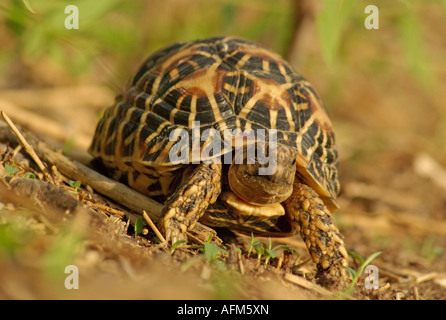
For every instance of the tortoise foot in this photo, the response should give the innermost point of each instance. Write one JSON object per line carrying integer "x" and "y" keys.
{"x": 311, "y": 218}
{"x": 188, "y": 203}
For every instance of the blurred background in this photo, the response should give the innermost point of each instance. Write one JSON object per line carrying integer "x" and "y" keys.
{"x": 384, "y": 89}
{"x": 388, "y": 80}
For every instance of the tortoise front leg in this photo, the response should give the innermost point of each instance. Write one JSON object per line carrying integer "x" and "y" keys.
{"x": 188, "y": 203}
{"x": 311, "y": 218}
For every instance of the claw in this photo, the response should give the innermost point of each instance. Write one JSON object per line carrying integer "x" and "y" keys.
{"x": 174, "y": 233}
{"x": 168, "y": 235}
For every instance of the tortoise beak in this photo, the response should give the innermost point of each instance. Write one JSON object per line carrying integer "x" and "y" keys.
{"x": 248, "y": 183}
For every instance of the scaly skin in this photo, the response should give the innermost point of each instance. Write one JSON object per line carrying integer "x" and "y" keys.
{"x": 311, "y": 218}
{"x": 188, "y": 203}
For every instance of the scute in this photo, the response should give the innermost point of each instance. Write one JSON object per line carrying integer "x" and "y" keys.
{"x": 223, "y": 83}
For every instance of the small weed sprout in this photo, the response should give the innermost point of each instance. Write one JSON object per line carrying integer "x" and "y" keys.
{"x": 176, "y": 244}
{"x": 139, "y": 225}
{"x": 75, "y": 185}
{"x": 11, "y": 169}
{"x": 29, "y": 175}
{"x": 210, "y": 251}
{"x": 266, "y": 250}
{"x": 355, "y": 274}
{"x": 254, "y": 244}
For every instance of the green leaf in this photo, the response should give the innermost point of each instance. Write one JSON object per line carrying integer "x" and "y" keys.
{"x": 356, "y": 274}
{"x": 210, "y": 251}
{"x": 251, "y": 245}
{"x": 75, "y": 184}
{"x": 356, "y": 256}
{"x": 13, "y": 237}
{"x": 351, "y": 271}
{"x": 176, "y": 244}
{"x": 28, "y": 6}
{"x": 138, "y": 225}
{"x": 260, "y": 249}
{"x": 11, "y": 169}
{"x": 270, "y": 254}
{"x": 370, "y": 259}
{"x": 331, "y": 23}
{"x": 63, "y": 252}
{"x": 29, "y": 175}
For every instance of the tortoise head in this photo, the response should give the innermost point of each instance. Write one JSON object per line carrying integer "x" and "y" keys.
{"x": 263, "y": 182}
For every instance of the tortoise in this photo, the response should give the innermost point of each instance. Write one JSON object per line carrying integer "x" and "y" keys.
{"x": 181, "y": 133}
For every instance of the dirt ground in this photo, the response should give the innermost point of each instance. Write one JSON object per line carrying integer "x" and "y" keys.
{"x": 391, "y": 138}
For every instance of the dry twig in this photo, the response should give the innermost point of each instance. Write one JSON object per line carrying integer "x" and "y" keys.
{"x": 28, "y": 148}
{"x": 152, "y": 226}
{"x": 107, "y": 208}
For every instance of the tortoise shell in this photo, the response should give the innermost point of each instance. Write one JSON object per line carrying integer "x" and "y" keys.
{"x": 219, "y": 83}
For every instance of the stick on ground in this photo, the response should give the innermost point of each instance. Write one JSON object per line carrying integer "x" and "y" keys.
{"x": 152, "y": 226}
{"x": 28, "y": 148}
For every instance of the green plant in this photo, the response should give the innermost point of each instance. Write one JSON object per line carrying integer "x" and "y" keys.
{"x": 62, "y": 251}
{"x": 11, "y": 169}
{"x": 254, "y": 244}
{"x": 13, "y": 237}
{"x": 29, "y": 175}
{"x": 75, "y": 184}
{"x": 38, "y": 28}
{"x": 210, "y": 251}
{"x": 176, "y": 244}
{"x": 272, "y": 252}
{"x": 138, "y": 226}
{"x": 28, "y": 6}
{"x": 355, "y": 274}
{"x": 262, "y": 249}
{"x": 331, "y": 23}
